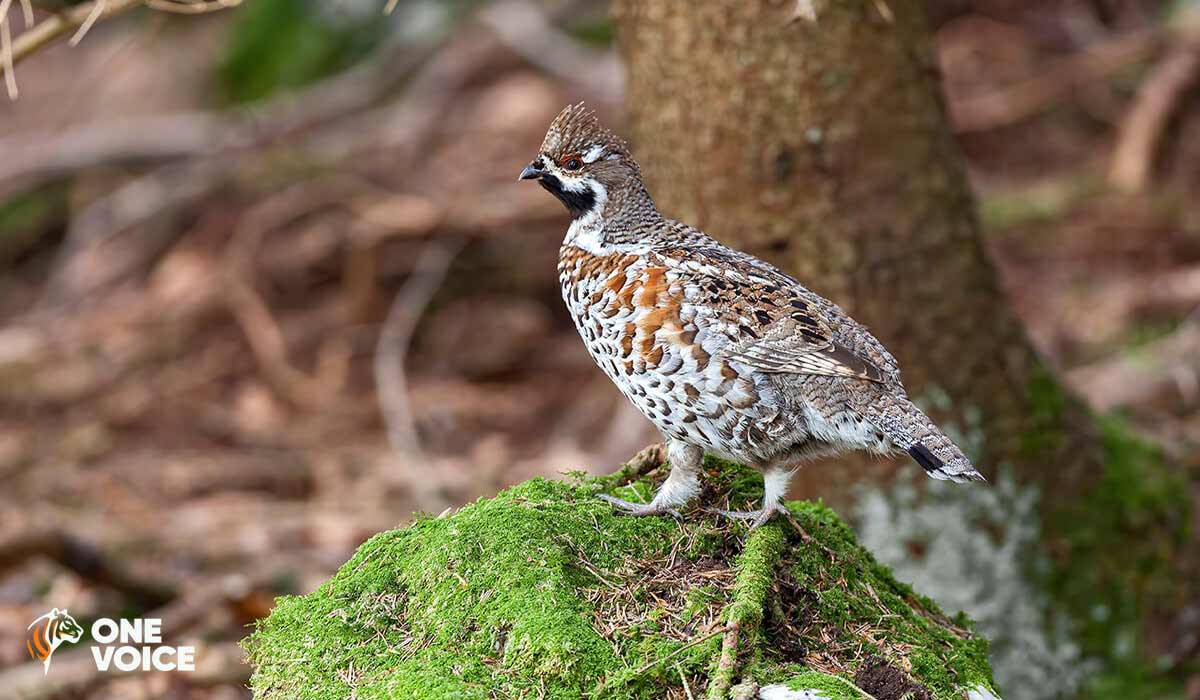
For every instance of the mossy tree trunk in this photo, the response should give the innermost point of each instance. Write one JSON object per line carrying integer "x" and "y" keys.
{"x": 824, "y": 147}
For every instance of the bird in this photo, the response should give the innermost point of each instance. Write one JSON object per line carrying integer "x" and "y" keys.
{"x": 723, "y": 352}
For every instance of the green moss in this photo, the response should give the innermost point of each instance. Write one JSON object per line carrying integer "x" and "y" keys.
{"x": 861, "y": 603}
{"x": 1120, "y": 542}
{"x": 756, "y": 567}
{"x": 829, "y": 686}
{"x": 544, "y": 592}
{"x": 755, "y": 575}
{"x": 26, "y": 218}
{"x": 285, "y": 44}
{"x": 1114, "y": 548}
{"x": 495, "y": 585}
{"x": 699, "y": 599}
{"x": 597, "y": 30}
{"x": 1047, "y": 407}
{"x": 1037, "y": 206}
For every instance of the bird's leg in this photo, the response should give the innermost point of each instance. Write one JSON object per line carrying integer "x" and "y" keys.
{"x": 775, "y": 483}
{"x": 681, "y": 485}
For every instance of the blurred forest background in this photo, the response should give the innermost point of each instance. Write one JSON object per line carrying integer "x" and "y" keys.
{"x": 268, "y": 286}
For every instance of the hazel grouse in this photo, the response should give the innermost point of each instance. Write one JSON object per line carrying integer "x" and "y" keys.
{"x": 724, "y": 353}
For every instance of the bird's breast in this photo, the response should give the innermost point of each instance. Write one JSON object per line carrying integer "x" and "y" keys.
{"x": 663, "y": 351}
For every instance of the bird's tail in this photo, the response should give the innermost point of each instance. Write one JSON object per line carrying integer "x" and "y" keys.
{"x": 911, "y": 430}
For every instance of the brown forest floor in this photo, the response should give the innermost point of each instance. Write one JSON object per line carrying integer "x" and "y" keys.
{"x": 186, "y": 380}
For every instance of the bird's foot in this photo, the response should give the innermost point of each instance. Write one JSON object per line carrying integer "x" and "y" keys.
{"x": 757, "y": 518}
{"x": 630, "y": 508}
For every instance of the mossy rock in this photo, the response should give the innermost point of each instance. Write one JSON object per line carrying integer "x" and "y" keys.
{"x": 543, "y": 592}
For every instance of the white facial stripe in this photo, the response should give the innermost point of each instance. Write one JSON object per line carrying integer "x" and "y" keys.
{"x": 593, "y": 154}
{"x": 587, "y": 232}
{"x": 573, "y": 183}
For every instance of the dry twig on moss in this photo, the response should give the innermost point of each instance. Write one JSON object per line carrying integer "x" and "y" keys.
{"x": 756, "y": 569}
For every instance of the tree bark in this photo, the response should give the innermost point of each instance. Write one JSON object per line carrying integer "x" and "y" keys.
{"x": 824, "y": 148}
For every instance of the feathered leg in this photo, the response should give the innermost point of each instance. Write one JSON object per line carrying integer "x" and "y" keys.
{"x": 682, "y": 484}
{"x": 775, "y": 484}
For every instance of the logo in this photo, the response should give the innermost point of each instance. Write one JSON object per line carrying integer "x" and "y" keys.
{"x": 127, "y": 646}
{"x": 121, "y": 645}
{"x": 48, "y": 633}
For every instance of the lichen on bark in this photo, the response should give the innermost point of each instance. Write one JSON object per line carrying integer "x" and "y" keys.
{"x": 543, "y": 591}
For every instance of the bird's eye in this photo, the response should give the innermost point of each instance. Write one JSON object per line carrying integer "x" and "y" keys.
{"x": 571, "y": 162}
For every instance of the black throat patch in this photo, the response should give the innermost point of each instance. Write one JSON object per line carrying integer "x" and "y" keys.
{"x": 578, "y": 203}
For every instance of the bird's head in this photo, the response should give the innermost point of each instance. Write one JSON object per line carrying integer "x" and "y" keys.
{"x": 580, "y": 162}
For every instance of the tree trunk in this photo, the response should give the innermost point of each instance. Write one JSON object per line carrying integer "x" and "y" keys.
{"x": 824, "y": 147}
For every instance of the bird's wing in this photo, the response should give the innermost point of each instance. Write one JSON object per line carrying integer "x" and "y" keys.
{"x": 772, "y": 322}
{"x": 775, "y": 357}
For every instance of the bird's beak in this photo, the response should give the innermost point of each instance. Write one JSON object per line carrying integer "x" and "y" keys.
{"x": 531, "y": 172}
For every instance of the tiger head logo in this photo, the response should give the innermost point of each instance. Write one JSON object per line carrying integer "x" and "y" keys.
{"x": 48, "y": 632}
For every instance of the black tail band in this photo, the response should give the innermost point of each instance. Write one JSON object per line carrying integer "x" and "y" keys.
{"x": 925, "y": 458}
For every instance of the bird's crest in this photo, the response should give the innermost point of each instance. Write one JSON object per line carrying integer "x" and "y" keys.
{"x": 576, "y": 129}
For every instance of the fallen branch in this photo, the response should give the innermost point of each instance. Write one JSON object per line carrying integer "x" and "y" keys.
{"x": 34, "y": 156}
{"x": 1156, "y": 102}
{"x": 60, "y": 24}
{"x": 640, "y": 464}
{"x": 77, "y": 20}
{"x": 1023, "y": 100}
{"x": 192, "y": 7}
{"x": 6, "y": 59}
{"x": 395, "y": 336}
{"x": 74, "y": 676}
{"x": 248, "y": 308}
{"x": 85, "y": 560}
{"x": 404, "y": 128}
{"x": 120, "y": 234}
{"x": 527, "y": 31}
{"x": 756, "y": 570}
{"x": 726, "y": 664}
{"x": 1163, "y": 374}
{"x": 1157, "y": 294}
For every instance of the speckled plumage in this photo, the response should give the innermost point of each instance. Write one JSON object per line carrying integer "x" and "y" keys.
{"x": 721, "y": 351}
